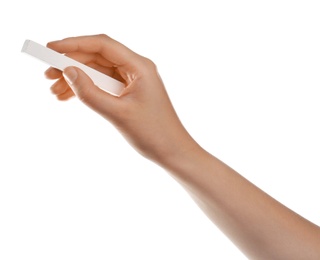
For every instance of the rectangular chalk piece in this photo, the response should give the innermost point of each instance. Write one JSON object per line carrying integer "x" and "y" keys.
{"x": 60, "y": 62}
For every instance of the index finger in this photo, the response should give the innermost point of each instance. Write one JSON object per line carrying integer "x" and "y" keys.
{"x": 110, "y": 49}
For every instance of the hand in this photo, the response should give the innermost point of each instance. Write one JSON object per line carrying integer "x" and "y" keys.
{"x": 143, "y": 113}
{"x": 258, "y": 224}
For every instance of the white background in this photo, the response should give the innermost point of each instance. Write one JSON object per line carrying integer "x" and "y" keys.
{"x": 244, "y": 78}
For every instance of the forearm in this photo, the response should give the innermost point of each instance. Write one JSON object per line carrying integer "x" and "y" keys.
{"x": 260, "y": 226}
{"x": 256, "y": 223}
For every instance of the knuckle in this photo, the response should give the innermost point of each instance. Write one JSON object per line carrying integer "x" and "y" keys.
{"x": 148, "y": 65}
{"x": 102, "y": 36}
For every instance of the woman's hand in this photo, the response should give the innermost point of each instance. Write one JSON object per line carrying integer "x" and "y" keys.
{"x": 259, "y": 225}
{"x": 143, "y": 113}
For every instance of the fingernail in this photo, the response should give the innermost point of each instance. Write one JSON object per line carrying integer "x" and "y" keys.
{"x": 70, "y": 75}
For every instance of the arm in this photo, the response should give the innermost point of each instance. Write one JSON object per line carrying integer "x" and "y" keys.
{"x": 259, "y": 225}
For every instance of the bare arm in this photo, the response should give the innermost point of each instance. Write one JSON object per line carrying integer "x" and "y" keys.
{"x": 259, "y": 225}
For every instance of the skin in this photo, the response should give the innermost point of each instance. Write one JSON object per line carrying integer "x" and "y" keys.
{"x": 260, "y": 226}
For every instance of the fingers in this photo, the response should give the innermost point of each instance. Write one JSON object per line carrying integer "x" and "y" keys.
{"x": 66, "y": 95}
{"x": 95, "y": 61}
{"x": 88, "y": 93}
{"x": 62, "y": 90}
{"x": 75, "y": 48}
{"x": 86, "y": 58}
{"x": 108, "y": 48}
{"x": 52, "y": 73}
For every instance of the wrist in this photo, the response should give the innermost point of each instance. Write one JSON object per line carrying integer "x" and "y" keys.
{"x": 181, "y": 154}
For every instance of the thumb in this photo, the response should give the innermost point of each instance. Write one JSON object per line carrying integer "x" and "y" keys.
{"x": 87, "y": 92}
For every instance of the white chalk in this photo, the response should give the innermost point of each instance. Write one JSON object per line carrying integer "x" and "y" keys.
{"x": 60, "y": 62}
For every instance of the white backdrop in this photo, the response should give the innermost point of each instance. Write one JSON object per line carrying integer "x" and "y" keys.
{"x": 244, "y": 78}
